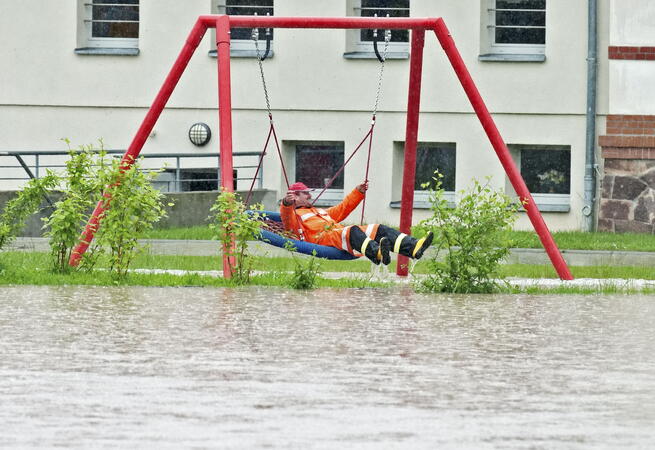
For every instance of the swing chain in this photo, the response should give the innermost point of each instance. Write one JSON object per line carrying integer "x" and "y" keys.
{"x": 255, "y": 37}
{"x": 387, "y": 38}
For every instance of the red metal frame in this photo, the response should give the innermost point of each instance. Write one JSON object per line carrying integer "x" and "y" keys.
{"x": 222, "y": 23}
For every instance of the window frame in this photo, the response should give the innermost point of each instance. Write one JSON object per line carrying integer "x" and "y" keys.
{"x": 546, "y": 202}
{"x": 424, "y": 195}
{"x": 330, "y": 197}
{"x": 513, "y": 52}
{"x": 358, "y": 49}
{"x": 89, "y": 42}
{"x": 244, "y": 48}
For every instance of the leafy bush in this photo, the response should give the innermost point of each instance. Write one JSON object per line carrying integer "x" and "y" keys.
{"x": 81, "y": 190}
{"x": 21, "y": 207}
{"x": 473, "y": 237}
{"x": 233, "y": 226}
{"x": 132, "y": 206}
{"x": 305, "y": 273}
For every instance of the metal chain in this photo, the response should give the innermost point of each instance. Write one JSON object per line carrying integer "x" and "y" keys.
{"x": 387, "y": 38}
{"x": 255, "y": 37}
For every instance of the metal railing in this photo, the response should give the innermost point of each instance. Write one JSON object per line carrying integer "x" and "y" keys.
{"x": 176, "y": 168}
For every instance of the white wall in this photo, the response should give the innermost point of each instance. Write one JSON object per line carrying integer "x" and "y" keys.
{"x": 632, "y": 83}
{"x": 48, "y": 92}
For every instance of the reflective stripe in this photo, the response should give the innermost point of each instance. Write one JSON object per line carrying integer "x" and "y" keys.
{"x": 344, "y": 240}
{"x": 364, "y": 245}
{"x": 322, "y": 212}
{"x": 399, "y": 240}
{"x": 369, "y": 229}
{"x": 307, "y": 216}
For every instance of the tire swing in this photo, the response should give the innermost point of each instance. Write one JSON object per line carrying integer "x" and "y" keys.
{"x": 272, "y": 230}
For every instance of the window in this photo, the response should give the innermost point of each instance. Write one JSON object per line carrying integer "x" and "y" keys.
{"x": 360, "y": 42}
{"x": 429, "y": 158}
{"x": 547, "y": 173}
{"x": 241, "y": 44}
{"x": 516, "y": 30}
{"x": 108, "y": 27}
{"x": 194, "y": 179}
{"x": 315, "y": 164}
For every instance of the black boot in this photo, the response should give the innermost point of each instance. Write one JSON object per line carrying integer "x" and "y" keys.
{"x": 411, "y": 247}
{"x": 371, "y": 250}
{"x": 367, "y": 246}
{"x": 385, "y": 248}
{"x": 422, "y": 245}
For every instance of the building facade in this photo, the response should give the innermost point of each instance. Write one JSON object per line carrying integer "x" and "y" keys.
{"x": 89, "y": 69}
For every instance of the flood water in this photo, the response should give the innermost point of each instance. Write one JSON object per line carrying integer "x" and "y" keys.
{"x": 85, "y": 367}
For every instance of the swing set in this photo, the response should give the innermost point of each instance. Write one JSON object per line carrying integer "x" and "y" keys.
{"x": 418, "y": 27}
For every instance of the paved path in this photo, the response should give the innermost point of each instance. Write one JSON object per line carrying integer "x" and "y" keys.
{"x": 517, "y": 255}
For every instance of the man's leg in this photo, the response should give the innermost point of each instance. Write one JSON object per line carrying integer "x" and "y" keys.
{"x": 375, "y": 250}
{"x": 404, "y": 244}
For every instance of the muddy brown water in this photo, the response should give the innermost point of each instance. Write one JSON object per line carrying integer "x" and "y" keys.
{"x": 85, "y": 367}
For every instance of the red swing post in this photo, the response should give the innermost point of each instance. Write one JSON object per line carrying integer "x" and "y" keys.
{"x": 225, "y": 123}
{"x": 411, "y": 138}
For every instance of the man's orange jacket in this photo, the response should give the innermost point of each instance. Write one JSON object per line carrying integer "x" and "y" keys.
{"x": 320, "y": 226}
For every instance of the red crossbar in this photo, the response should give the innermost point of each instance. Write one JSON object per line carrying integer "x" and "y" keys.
{"x": 396, "y": 23}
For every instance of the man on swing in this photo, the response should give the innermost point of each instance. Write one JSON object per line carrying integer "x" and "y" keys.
{"x": 323, "y": 227}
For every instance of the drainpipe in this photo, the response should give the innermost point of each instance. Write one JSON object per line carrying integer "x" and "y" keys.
{"x": 588, "y": 209}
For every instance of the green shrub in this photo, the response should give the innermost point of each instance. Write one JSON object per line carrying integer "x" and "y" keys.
{"x": 81, "y": 190}
{"x": 305, "y": 273}
{"x": 131, "y": 207}
{"x": 233, "y": 226}
{"x": 20, "y": 208}
{"x": 473, "y": 237}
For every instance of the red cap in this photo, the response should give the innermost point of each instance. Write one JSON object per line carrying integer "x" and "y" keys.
{"x": 299, "y": 187}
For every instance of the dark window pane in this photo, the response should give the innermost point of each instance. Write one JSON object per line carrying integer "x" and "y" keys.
{"x": 316, "y": 164}
{"x": 198, "y": 180}
{"x": 520, "y": 36}
{"x": 520, "y": 4}
{"x": 400, "y": 8}
{"x": 546, "y": 171}
{"x": 113, "y": 14}
{"x": 248, "y": 8}
{"x": 431, "y": 158}
{"x": 513, "y": 14}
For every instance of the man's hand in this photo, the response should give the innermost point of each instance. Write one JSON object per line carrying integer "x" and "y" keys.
{"x": 362, "y": 187}
{"x": 289, "y": 199}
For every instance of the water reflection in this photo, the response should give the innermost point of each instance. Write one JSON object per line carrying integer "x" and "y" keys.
{"x": 183, "y": 367}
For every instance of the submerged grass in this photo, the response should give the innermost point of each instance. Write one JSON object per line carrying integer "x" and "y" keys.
{"x": 566, "y": 240}
{"x": 32, "y": 268}
{"x": 22, "y": 268}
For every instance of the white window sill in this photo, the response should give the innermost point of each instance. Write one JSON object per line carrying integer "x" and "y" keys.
{"x": 553, "y": 202}
{"x": 236, "y": 53}
{"x": 372, "y": 55}
{"x": 111, "y": 51}
{"x": 512, "y": 57}
{"x": 418, "y": 204}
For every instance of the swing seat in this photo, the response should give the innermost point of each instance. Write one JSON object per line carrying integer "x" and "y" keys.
{"x": 306, "y": 248}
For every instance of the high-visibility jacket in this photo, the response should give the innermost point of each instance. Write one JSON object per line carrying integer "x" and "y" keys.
{"x": 323, "y": 227}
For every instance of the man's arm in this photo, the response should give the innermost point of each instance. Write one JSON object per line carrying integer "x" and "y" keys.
{"x": 288, "y": 214}
{"x": 343, "y": 209}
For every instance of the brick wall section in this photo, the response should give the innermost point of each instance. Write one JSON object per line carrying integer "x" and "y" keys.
{"x": 628, "y": 186}
{"x": 630, "y": 125}
{"x": 629, "y": 137}
{"x": 634, "y": 53}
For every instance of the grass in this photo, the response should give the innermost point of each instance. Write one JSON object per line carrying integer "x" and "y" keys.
{"x": 31, "y": 268}
{"x": 19, "y": 268}
{"x": 566, "y": 240}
